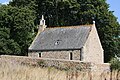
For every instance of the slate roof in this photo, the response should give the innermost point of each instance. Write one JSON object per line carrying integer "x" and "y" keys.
{"x": 61, "y": 38}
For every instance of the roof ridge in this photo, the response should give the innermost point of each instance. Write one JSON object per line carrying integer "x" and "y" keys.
{"x": 71, "y": 26}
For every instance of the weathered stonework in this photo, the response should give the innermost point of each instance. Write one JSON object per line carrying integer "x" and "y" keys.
{"x": 66, "y": 55}
{"x": 33, "y": 54}
{"x": 58, "y": 63}
{"x": 93, "y": 51}
{"x": 76, "y": 55}
{"x": 56, "y": 54}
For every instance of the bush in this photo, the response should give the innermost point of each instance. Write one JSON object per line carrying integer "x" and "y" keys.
{"x": 115, "y": 64}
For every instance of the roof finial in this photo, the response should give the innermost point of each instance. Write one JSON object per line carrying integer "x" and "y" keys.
{"x": 42, "y": 17}
{"x": 93, "y": 22}
{"x": 42, "y": 21}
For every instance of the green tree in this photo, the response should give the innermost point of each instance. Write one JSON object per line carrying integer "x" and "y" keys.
{"x": 20, "y": 22}
{"x": 23, "y": 3}
{"x": 7, "y": 45}
{"x": 115, "y": 64}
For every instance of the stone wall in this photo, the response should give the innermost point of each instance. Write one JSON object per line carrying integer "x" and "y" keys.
{"x": 33, "y": 54}
{"x": 58, "y": 64}
{"x": 56, "y": 55}
{"x": 42, "y": 62}
{"x": 66, "y": 55}
{"x": 93, "y": 51}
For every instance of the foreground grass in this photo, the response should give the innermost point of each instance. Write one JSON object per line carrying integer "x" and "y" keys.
{"x": 10, "y": 70}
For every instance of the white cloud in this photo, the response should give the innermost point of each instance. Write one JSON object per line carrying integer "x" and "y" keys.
{"x": 6, "y": 2}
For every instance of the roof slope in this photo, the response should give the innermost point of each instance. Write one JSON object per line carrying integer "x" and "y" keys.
{"x": 60, "y": 38}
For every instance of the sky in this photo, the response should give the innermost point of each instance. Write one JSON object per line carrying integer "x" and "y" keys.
{"x": 114, "y": 6}
{"x": 4, "y": 1}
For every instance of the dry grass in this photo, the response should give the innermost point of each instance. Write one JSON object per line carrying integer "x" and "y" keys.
{"x": 13, "y": 71}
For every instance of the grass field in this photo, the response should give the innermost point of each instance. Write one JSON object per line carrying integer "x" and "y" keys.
{"x": 13, "y": 71}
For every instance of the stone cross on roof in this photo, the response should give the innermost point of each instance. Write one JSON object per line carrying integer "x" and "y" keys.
{"x": 42, "y": 21}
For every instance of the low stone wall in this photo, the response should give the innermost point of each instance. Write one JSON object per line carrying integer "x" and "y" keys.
{"x": 59, "y": 64}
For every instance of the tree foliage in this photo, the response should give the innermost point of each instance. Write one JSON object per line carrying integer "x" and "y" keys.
{"x": 18, "y": 24}
{"x": 7, "y": 45}
{"x": 115, "y": 64}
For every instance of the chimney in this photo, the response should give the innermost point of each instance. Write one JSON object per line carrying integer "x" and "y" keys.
{"x": 42, "y": 25}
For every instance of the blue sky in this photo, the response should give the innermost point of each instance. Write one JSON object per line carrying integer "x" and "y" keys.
{"x": 4, "y": 1}
{"x": 114, "y": 6}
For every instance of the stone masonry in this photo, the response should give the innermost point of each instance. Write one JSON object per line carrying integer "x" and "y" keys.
{"x": 67, "y": 55}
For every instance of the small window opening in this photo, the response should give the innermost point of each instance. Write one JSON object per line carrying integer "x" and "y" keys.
{"x": 57, "y": 42}
{"x": 71, "y": 55}
{"x": 81, "y": 54}
{"x": 40, "y": 55}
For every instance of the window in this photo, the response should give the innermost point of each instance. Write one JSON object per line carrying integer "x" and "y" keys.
{"x": 40, "y": 55}
{"x": 81, "y": 54}
{"x": 57, "y": 42}
{"x": 71, "y": 55}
